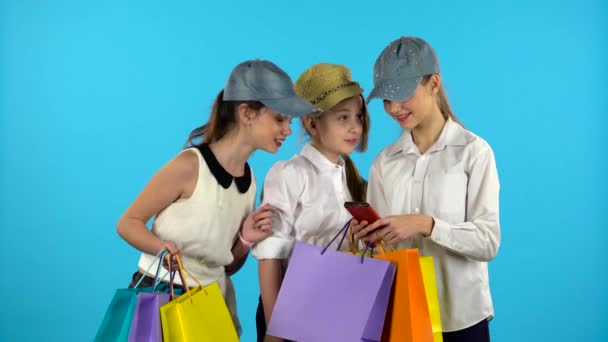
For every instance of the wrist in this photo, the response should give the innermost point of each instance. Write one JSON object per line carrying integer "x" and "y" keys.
{"x": 427, "y": 226}
{"x": 160, "y": 246}
{"x": 245, "y": 242}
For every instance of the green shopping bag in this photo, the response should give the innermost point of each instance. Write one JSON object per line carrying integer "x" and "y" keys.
{"x": 117, "y": 320}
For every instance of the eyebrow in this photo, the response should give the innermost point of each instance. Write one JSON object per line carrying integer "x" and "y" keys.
{"x": 342, "y": 110}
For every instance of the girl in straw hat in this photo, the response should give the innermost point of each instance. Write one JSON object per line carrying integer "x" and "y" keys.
{"x": 309, "y": 190}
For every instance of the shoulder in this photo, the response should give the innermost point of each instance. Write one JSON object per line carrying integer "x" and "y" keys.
{"x": 477, "y": 146}
{"x": 184, "y": 165}
{"x": 287, "y": 179}
{"x": 295, "y": 168}
{"x": 386, "y": 155}
{"x": 184, "y": 169}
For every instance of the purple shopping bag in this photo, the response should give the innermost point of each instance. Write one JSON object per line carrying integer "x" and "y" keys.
{"x": 332, "y": 296}
{"x": 146, "y": 325}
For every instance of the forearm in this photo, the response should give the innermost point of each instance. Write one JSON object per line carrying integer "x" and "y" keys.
{"x": 136, "y": 233}
{"x": 271, "y": 275}
{"x": 239, "y": 253}
{"x": 478, "y": 240}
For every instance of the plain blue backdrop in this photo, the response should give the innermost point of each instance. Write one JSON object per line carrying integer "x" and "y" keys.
{"x": 95, "y": 96}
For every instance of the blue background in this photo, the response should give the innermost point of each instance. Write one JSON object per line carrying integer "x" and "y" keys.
{"x": 95, "y": 96}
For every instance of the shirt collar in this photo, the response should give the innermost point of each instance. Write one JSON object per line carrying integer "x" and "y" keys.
{"x": 221, "y": 175}
{"x": 452, "y": 134}
{"x": 319, "y": 160}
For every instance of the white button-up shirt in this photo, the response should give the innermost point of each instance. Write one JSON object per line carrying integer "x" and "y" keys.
{"x": 456, "y": 183}
{"x": 308, "y": 192}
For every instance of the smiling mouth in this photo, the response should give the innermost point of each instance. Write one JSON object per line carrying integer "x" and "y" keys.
{"x": 403, "y": 117}
{"x": 278, "y": 142}
{"x": 352, "y": 141}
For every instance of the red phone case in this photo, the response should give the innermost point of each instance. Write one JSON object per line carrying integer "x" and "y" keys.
{"x": 362, "y": 211}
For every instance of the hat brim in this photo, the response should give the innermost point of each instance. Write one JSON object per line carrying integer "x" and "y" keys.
{"x": 394, "y": 90}
{"x": 338, "y": 96}
{"x": 294, "y": 106}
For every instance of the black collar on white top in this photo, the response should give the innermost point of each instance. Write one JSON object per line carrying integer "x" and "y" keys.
{"x": 221, "y": 175}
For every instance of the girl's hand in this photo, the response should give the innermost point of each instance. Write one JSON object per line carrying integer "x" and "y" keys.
{"x": 356, "y": 227}
{"x": 258, "y": 225}
{"x": 394, "y": 229}
{"x": 172, "y": 248}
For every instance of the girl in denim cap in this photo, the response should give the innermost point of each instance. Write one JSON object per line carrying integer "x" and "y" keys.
{"x": 309, "y": 190}
{"x": 436, "y": 188}
{"x": 203, "y": 199}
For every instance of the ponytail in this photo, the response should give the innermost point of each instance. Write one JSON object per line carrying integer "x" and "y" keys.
{"x": 357, "y": 186}
{"x": 221, "y": 120}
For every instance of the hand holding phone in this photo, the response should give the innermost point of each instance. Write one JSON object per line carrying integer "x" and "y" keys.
{"x": 362, "y": 211}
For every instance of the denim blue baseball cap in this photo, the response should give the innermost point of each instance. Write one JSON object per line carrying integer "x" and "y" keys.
{"x": 400, "y": 67}
{"x": 260, "y": 80}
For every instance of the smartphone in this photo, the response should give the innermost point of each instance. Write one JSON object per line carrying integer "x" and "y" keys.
{"x": 362, "y": 211}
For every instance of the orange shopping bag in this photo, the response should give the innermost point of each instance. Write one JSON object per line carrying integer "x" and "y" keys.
{"x": 407, "y": 318}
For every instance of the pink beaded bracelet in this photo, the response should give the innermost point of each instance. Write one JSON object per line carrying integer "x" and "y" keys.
{"x": 245, "y": 242}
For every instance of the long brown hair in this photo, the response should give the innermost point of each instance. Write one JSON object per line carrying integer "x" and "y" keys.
{"x": 221, "y": 120}
{"x": 357, "y": 185}
{"x": 442, "y": 101}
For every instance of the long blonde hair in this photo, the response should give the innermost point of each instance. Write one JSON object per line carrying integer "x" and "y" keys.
{"x": 442, "y": 101}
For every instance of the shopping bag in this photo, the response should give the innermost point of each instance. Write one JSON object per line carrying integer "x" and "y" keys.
{"x": 146, "y": 326}
{"x": 430, "y": 288}
{"x": 408, "y": 318}
{"x": 117, "y": 320}
{"x": 333, "y": 296}
{"x": 199, "y": 315}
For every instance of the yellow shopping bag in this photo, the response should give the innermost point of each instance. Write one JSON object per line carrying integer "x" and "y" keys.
{"x": 430, "y": 288}
{"x": 198, "y": 315}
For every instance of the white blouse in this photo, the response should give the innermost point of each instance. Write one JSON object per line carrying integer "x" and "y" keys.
{"x": 308, "y": 192}
{"x": 455, "y": 182}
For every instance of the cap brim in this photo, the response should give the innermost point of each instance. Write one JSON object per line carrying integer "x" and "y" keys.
{"x": 333, "y": 99}
{"x": 394, "y": 90}
{"x": 294, "y": 106}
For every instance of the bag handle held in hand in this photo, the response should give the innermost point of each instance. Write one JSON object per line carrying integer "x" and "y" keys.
{"x": 158, "y": 256}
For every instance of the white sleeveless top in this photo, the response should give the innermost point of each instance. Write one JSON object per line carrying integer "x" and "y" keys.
{"x": 205, "y": 225}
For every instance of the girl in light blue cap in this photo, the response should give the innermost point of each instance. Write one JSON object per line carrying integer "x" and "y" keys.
{"x": 436, "y": 188}
{"x": 203, "y": 200}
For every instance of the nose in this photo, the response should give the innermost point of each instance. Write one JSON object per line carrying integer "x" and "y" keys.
{"x": 356, "y": 126}
{"x": 391, "y": 107}
{"x": 286, "y": 129}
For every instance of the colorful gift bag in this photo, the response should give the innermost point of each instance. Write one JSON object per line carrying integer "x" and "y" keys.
{"x": 430, "y": 288}
{"x": 146, "y": 326}
{"x": 408, "y": 318}
{"x": 331, "y": 296}
{"x": 199, "y": 315}
{"x": 116, "y": 323}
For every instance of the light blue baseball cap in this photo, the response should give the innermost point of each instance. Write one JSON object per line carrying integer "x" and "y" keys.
{"x": 400, "y": 67}
{"x": 263, "y": 81}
